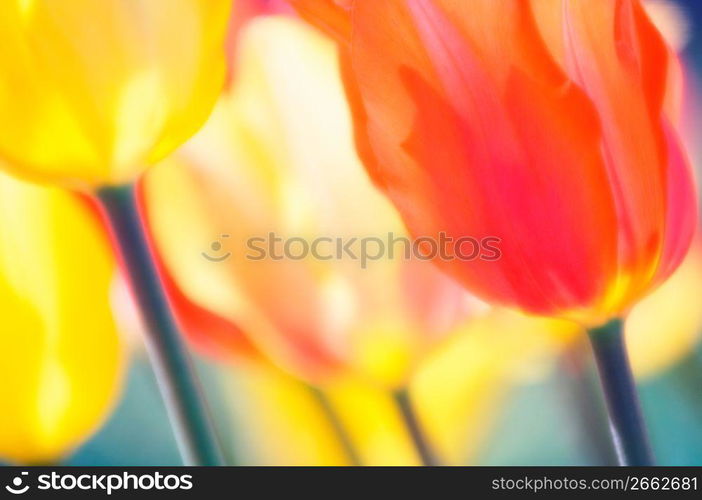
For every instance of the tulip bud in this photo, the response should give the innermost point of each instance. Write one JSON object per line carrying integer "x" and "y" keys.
{"x": 94, "y": 92}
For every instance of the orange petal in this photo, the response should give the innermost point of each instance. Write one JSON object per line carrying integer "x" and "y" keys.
{"x": 486, "y": 146}
{"x": 473, "y": 125}
{"x": 330, "y": 16}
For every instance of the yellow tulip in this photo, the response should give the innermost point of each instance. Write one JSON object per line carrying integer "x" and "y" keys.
{"x": 277, "y": 156}
{"x": 458, "y": 392}
{"x": 283, "y": 424}
{"x": 460, "y": 389}
{"x": 92, "y": 92}
{"x": 60, "y": 355}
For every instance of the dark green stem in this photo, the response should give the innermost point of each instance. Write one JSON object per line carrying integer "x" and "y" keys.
{"x": 414, "y": 428}
{"x": 625, "y": 417}
{"x": 169, "y": 357}
{"x": 581, "y": 388}
{"x": 332, "y": 416}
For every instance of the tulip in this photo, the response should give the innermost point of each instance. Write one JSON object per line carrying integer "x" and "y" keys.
{"x": 468, "y": 377}
{"x": 458, "y": 391}
{"x": 583, "y": 242}
{"x": 277, "y": 157}
{"x": 93, "y": 93}
{"x": 242, "y": 177}
{"x": 547, "y": 124}
{"x": 62, "y": 359}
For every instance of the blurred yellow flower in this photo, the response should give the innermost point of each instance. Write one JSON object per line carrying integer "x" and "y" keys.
{"x": 666, "y": 325}
{"x": 458, "y": 392}
{"x": 277, "y": 156}
{"x": 92, "y": 92}
{"x": 460, "y": 389}
{"x": 284, "y": 424}
{"x": 60, "y": 355}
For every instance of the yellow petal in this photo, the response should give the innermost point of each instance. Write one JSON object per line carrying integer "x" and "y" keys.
{"x": 94, "y": 92}
{"x": 457, "y": 393}
{"x": 60, "y": 355}
{"x": 666, "y": 325}
{"x": 283, "y": 424}
{"x": 462, "y": 386}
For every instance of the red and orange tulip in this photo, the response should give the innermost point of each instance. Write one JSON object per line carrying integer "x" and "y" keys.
{"x": 549, "y": 124}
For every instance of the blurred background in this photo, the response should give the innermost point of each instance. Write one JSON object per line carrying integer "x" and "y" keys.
{"x": 535, "y": 402}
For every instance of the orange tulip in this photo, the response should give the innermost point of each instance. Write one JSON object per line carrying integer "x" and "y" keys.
{"x": 277, "y": 156}
{"x": 549, "y": 124}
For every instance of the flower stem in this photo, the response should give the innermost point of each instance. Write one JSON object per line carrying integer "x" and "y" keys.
{"x": 625, "y": 418}
{"x": 414, "y": 428}
{"x": 175, "y": 374}
{"x": 580, "y": 387}
{"x": 340, "y": 431}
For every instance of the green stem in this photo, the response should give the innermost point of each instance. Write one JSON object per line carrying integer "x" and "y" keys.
{"x": 414, "y": 428}
{"x": 625, "y": 417}
{"x": 580, "y": 387}
{"x": 176, "y": 377}
{"x": 332, "y": 416}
